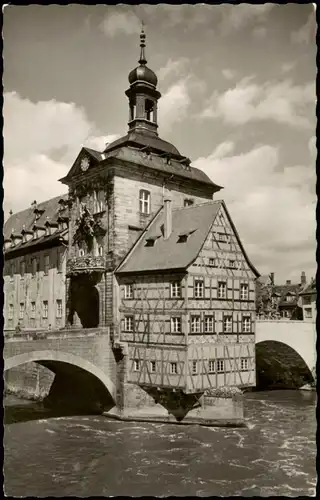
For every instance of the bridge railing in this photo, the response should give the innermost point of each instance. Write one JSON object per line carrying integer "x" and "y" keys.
{"x": 37, "y": 334}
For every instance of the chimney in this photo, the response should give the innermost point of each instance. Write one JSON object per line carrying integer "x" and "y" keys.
{"x": 167, "y": 218}
{"x": 303, "y": 278}
{"x": 272, "y": 278}
{"x": 288, "y": 282}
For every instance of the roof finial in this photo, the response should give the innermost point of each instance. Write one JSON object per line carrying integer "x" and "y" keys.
{"x": 142, "y": 59}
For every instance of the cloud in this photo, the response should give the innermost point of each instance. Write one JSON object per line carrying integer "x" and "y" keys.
{"x": 269, "y": 206}
{"x": 41, "y": 142}
{"x": 121, "y": 21}
{"x": 173, "y": 68}
{"x": 282, "y": 102}
{"x": 229, "y": 74}
{"x": 237, "y": 17}
{"x": 307, "y": 33}
{"x": 174, "y": 104}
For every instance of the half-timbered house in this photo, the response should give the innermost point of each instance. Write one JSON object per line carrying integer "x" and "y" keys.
{"x": 186, "y": 302}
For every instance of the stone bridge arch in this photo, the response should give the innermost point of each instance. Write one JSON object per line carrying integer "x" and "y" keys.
{"x": 279, "y": 366}
{"x": 297, "y": 335}
{"x": 64, "y": 365}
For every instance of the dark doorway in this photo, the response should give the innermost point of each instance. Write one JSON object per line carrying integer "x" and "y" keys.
{"x": 86, "y": 302}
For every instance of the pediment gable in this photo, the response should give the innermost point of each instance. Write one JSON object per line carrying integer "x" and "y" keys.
{"x": 86, "y": 160}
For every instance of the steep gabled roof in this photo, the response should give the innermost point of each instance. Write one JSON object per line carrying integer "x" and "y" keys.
{"x": 310, "y": 289}
{"x": 26, "y": 218}
{"x": 175, "y": 253}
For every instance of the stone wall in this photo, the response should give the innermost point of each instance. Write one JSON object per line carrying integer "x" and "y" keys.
{"x": 29, "y": 381}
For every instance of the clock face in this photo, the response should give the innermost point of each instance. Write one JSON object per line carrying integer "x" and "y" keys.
{"x": 84, "y": 164}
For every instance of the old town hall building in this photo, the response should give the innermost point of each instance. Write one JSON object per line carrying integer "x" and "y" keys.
{"x": 140, "y": 245}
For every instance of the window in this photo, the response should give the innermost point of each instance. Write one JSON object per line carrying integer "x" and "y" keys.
{"x": 244, "y": 291}
{"x": 98, "y": 202}
{"x": 220, "y": 365}
{"x": 175, "y": 289}
{"x": 194, "y": 368}
{"x": 34, "y": 266}
{"x": 59, "y": 308}
{"x": 59, "y": 261}
{"x": 45, "y": 309}
{"x": 100, "y": 250}
{"x": 46, "y": 264}
{"x": 10, "y": 313}
{"x": 195, "y": 324}
{"x": 188, "y": 202}
{"x": 209, "y": 324}
{"x": 128, "y": 291}
{"x": 22, "y": 268}
{"x": 285, "y": 314}
{"x": 290, "y": 298}
{"x": 212, "y": 262}
{"x": 176, "y": 325}
{"x": 222, "y": 237}
{"x": 308, "y": 312}
{"x": 136, "y": 365}
{"x": 21, "y": 310}
{"x": 33, "y": 310}
{"x": 198, "y": 288}
{"x": 152, "y": 366}
{"x": 222, "y": 290}
{"x": 11, "y": 272}
{"x": 227, "y": 324}
{"x": 246, "y": 324}
{"x": 306, "y": 300}
{"x": 211, "y": 366}
{"x": 81, "y": 252}
{"x": 128, "y": 323}
{"x": 244, "y": 364}
{"x": 144, "y": 202}
{"x": 232, "y": 264}
{"x": 173, "y": 368}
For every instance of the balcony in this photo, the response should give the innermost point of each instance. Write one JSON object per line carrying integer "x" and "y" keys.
{"x": 85, "y": 265}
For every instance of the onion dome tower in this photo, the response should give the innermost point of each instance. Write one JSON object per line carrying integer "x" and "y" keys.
{"x": 143, "y": 96}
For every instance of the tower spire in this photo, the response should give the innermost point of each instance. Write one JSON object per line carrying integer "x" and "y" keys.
{"x": 142, "y": 59}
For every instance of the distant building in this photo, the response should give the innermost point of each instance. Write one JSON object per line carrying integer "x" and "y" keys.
{"x": 170, "y": 279}
{"x": 308, "y": 302}
{"x": 279, "y": 301}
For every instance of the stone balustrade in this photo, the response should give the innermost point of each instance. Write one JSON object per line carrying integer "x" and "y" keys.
{"x": 86, "y": 264}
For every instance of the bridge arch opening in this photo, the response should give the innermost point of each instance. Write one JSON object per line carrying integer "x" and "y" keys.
{"x": 77, "y": 383}
{"x": 279, "y": 366}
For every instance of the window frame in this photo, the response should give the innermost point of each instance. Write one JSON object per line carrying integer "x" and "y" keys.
{"x": 227, "y": 317}
{"x": 211, "y": 366}
{"x": 175, "y": 289}
{"x": 45, "y": 309}
{"x": 220, "y": 283}
{"x": 175, "y": 370}
{"x": 144, "y": 202}
{"x": 128, "y": 286}
{"x": 179, "y": 323}
{"x": 153, "y": 366}
{"x": 10, "y": 312}
{"x": 59, "y": 308}
{"x": 206, "y": 319}
{"x": 246, "y": 329}
{"x": 308, "y": 312}
{"x": 196, "y": 282}
{"x": 136, "y": 365}
{"x": 244, "y": 286}
{"x": 194, "y": 367}
{"x": 195, "y": 319}
{"x": 220, "y": 366}
{"x": 21, "y": 310}
{"x": 33, "y": 310}
{"x": 22, "y": 268}
{"x": 126, "y": 319}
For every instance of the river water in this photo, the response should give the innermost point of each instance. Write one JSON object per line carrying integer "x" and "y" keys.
{"x": 94, "y": 456}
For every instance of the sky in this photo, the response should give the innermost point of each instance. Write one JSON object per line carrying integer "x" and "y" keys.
{"x": 238, "y": 98}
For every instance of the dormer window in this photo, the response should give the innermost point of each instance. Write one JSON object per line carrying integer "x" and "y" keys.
{"x": 183, "y": 237}
{"x": 144, "y": 201}
{"x": 188, "y": 202}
